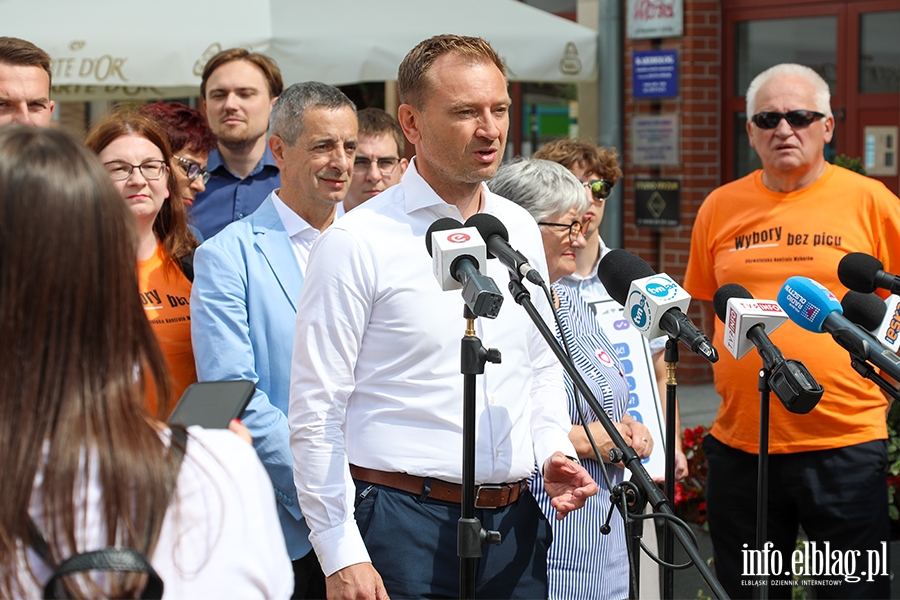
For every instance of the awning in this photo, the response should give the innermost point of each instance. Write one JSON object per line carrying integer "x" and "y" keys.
{"x": 120, "y": 50}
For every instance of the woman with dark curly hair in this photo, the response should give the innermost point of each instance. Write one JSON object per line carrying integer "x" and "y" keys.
{"x": 190, "y": 140}
{"x": 135, "y": 151}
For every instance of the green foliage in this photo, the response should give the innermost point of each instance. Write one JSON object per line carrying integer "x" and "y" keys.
{"x": 893, "y": 467}
{"x": 853, "y": 164}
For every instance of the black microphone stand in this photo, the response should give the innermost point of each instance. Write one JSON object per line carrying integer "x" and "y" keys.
{"x": 471, "y": 536}
{"x": 671, "y": 358}
{"x": 862, "y": 366}
{"x": 762, "y": 474}
{"x": 629, "y": 457}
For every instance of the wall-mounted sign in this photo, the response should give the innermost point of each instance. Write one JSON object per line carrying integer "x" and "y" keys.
{"x": 657, "y": 202}
{"x": 655, "y": 19}
{"x": 655, "y": 74}
{"x": 656, "y": 140}
{"x": 880, "y": 145}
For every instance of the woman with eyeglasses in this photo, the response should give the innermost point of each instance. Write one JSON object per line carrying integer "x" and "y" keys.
{"x": 135, "y": 152}
{"x": 82, "y": 460}
{"x": 190, "y": 140}
{"x": 598, "y": 169}
{"x": 581, "y": 562}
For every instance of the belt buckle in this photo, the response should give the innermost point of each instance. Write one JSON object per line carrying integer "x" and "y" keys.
{"x": 490, "y": 488}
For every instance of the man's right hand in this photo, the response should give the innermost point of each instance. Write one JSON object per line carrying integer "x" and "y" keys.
{"x": 356, "y": 582}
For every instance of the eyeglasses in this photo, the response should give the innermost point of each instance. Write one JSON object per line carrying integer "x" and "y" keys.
{"x": 600, "y": 188}
{"x": 193, "y": 170}
{"x": 386, "y": 165}
{"x": 795, "y": 118}
{"x": 151, "y": 169}
{"x": 575, "y": 228}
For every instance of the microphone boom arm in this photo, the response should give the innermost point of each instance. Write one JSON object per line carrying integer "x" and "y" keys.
{"x": 630, "y": 458}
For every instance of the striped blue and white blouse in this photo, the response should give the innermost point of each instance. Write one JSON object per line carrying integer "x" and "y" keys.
{"x": 582, "y": 562}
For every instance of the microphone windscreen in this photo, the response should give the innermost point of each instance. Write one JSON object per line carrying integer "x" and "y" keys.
{"x": 442, "y": 224}
{"x": 865, "y": 310}
{"x": 726, "y": 293}
{"x": 488, "y": 225}
{"x": 858, "y": 271}
{"x": 618, "y": 269}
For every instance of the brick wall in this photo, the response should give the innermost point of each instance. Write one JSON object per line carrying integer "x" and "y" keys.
{"x": 699, "y": 104}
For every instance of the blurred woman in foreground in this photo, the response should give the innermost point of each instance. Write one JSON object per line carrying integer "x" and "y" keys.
{"x": 79, "y": 453}
{"x": 581, "y": 562}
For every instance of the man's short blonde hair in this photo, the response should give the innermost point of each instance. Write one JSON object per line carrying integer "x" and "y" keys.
{"x": 412, "y": 76}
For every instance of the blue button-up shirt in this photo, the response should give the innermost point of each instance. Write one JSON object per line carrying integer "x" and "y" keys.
{"x": 229, "y": 198}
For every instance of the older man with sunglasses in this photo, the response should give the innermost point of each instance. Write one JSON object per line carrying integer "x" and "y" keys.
{"x": 798, "y": 215}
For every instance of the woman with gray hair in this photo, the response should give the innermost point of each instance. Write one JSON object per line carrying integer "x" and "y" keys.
{"x": 581, "y": 563}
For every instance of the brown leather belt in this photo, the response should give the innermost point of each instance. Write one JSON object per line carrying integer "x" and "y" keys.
{"x": 486, "y": 496}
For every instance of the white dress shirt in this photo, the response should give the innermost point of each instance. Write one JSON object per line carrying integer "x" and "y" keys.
{"x": 376, "y": 372}
{"x": 302, "y": 234}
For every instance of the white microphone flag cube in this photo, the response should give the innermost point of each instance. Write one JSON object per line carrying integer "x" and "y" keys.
{"x": 889, "y": 331}
{"x": 649, "y": 298}
{"x": 744, "y": 313}
{"x": 449, "y": 244}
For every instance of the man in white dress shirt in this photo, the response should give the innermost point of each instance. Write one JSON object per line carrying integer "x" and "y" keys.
{"x": 247, "y": 279}
{"x": 376, "y": 389}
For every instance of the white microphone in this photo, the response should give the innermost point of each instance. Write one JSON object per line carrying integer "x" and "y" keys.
{"x": 888, "y": 333}
{"x": 459, "y": 255}
{"x": 654, "y": 303}
{"x": 747, "y": 323}
{"x": 649, "y": 298}
{"x": 743, "y": 315}
{"x": 879, "y": 317}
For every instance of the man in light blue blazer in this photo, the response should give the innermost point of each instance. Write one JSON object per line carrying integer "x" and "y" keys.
{"x": 247, "y": 280}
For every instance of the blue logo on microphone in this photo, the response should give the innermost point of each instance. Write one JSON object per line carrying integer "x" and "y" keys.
{"x": 640, "y": 317}
{"x": 661, "y": 287}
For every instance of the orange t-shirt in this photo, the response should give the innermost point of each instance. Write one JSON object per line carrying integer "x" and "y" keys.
{"x": 166, "y": 296}
{"x": 747, "y": 234}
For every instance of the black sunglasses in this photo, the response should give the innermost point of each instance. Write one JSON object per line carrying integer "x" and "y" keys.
{"x": 795, "y": 118}
{"x": 600, "y": 188}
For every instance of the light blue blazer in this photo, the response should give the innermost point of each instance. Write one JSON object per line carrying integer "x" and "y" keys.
{"x": 243, "y": 307}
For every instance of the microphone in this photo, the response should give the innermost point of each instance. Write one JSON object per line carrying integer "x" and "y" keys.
{"x": 864, "y": 273}
{"x": 460, "y": 252}
{"x": 879, "y": 317}
{"x": 746, "y": 324}
{"x": 653, "y": 302}
{"x": 812, "y": 307}
{"x": 495, "y": 234}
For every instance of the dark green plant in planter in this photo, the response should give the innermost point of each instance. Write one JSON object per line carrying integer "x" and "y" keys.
{"x": 893, "y": 468}
{"x": 853, "y": 164}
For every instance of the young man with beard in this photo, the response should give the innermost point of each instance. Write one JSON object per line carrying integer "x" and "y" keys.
{"x": 379, "y": 158}
{"x": 238, "y": 91}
